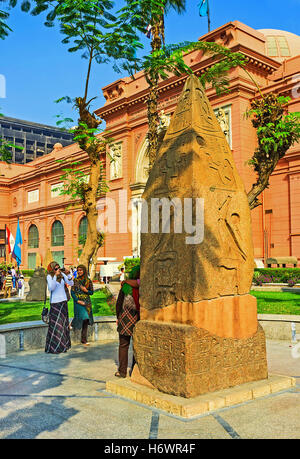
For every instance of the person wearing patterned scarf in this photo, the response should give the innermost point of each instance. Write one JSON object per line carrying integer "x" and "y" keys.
{"x": 81, "y": 293}
{"x": 128, "y": 313}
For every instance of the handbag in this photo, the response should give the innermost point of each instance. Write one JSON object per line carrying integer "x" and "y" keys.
{"x": 45, "y": 311}
{"x": 45, "y": 315}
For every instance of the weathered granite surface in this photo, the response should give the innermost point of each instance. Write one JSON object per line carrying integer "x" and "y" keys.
{"x": 198, "y": 330}
{"x": 195, "y": 165}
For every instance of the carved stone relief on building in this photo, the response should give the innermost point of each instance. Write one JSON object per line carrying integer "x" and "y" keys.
{"x": 223, "y": 115}
{"x": 116, "y": 161}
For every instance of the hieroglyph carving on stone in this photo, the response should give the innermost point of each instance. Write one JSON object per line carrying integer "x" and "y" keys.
{"x": 186, "y": 361}
{"x": 195, "y": 162}
{"x": 164, "y": 278}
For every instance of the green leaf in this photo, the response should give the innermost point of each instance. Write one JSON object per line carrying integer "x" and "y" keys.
{"x": 25, "y": 6}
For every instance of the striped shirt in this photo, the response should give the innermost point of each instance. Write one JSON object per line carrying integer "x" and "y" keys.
{"x": 8, "y": 280}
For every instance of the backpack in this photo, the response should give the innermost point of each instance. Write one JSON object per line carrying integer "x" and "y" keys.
{"x": 20, "y": 284}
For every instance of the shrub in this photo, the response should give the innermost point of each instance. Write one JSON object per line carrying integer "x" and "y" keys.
{"x": 263, "y": 279}
{"x": 27, "y": 272}
{"x": 278, "y": 275}
{"x": 111, "y": 301}
{"x": 5, "y": 266}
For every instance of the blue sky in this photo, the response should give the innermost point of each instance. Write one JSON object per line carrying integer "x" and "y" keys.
{"x": 38, "y": 69}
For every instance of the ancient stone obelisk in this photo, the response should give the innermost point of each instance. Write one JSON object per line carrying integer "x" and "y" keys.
{"x": 198, "y": 331}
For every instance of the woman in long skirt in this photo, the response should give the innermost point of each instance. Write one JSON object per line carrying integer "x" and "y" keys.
{"x": 58, "y": 336}
{"x": 81, "y": 293}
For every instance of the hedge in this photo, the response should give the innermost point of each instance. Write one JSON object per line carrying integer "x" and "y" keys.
{"x": 27, "y": 272}
{"x": 276, "y": 275}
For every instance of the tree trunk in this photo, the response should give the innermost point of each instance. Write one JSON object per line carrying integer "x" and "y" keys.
{"x": 89, "y": 206}
{"x": 260, "y": 185}
{"x": 153, "y": 121}
{"x": 153, "y": 118}
{"x": 93, "y": 263}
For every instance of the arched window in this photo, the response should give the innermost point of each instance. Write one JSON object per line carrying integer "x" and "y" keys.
{"x": 57, "y": 234}
{"x": 33, "y": 237}
{"x": 82, "y": 230}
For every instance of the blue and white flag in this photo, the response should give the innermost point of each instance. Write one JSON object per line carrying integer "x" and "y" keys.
{"x": 203, "y": 8}
{"x": 16, "y": 254}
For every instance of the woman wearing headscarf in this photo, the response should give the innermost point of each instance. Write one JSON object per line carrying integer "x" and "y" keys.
{"x": 58, "y": 336}
{"x": 128, "y": 313}
{"x": 81, "y": 293}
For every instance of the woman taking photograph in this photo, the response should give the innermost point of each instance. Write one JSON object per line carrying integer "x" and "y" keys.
{"x": 58, "y": 336}
{"x": 81, "y": 293}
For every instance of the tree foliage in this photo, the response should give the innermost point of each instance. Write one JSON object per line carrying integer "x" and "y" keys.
{"x": 4, "y": 28}
{"x": 84, "y": 28}
{"x": 167, "y": 60}
{"x": 277, "y": 130}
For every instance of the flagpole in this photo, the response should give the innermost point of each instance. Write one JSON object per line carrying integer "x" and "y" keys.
{"x": 208, "y": 16}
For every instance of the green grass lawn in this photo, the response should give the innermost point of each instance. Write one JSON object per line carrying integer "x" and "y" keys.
{"x": 25, "y": 311}
{"x": 267, "y": 303}
{"x": 277, "y": 302}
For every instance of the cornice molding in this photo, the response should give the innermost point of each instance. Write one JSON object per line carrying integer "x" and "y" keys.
{"x": 46, "y": 210}
{"x": 51, "y": 166}
{"x": 254, "y": 60}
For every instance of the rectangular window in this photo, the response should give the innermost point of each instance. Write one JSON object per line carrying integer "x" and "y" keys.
{"x": 2, "y": 250}
{"x": 31, "y": 260}
{"x": 2, "y": 234}
{"x": 58, "y": 256}
{"x": 272, "y": 47}
{"x": 33, "y": 196}
{"x": 283, "y": 46}
{"x": 56, "y": 189}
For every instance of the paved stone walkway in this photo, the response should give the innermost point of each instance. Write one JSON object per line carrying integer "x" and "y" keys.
{"x": 63, "y": 396}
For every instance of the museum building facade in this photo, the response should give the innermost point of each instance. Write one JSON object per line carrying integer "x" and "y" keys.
{"x": 48, "y": 221}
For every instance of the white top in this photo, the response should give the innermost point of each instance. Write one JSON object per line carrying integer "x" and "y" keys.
{"x": 122, "y": 277}
{"x": 57, "y": 289}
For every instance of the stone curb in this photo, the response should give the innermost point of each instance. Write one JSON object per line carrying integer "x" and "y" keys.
{"x": 189, "y": 408}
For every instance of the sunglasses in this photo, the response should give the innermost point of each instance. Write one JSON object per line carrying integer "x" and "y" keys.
{"x": 56, "y": 268}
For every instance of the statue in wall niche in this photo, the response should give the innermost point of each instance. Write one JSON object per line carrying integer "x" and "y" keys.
{"x": 223, "y": 122}
{"x": 37, "y": 285}
{"x": 116, "y": 161}
{"x": 164, "y": 120}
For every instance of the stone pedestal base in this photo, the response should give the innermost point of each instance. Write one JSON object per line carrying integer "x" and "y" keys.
{"x": 228, "y": 316}
{"x": 203, "y": 404}
{"x": 187, "y": 361}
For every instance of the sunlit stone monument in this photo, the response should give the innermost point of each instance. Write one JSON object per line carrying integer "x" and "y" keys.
{"x": 198, "y": 331}
{"x": 37, "y": 286}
